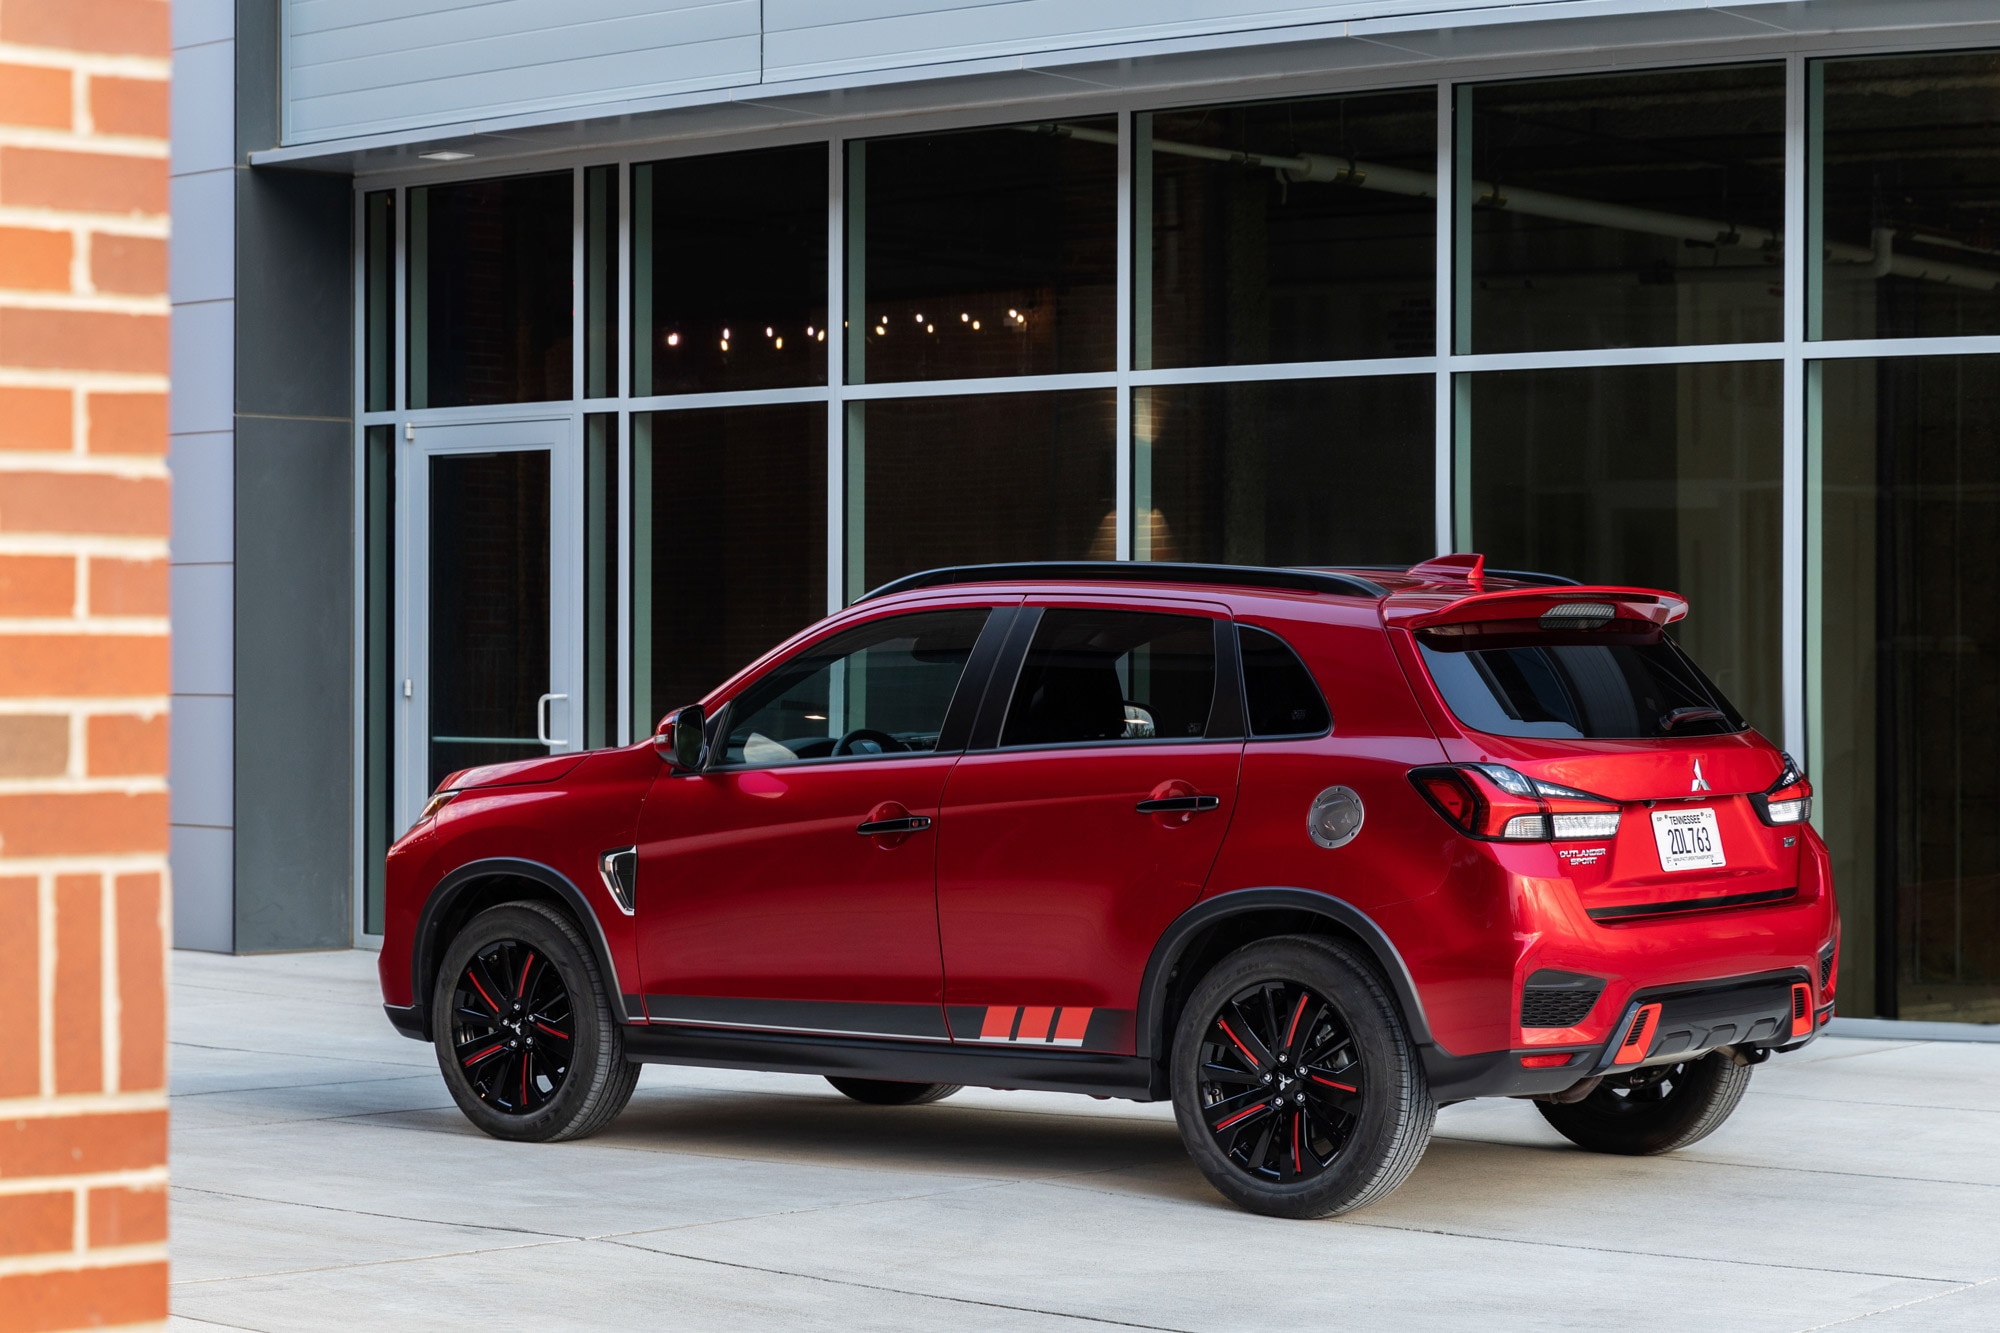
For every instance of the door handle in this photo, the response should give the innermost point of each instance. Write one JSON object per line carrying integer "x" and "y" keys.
{"x": 1167, "y": 805}
{"x": 542, "y": 719}
{"x": 875, "y": 828}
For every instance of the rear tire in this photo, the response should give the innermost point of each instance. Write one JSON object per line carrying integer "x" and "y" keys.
{"x": 524, "y": 1031}
{"x": 885, "y": 1092}
{"x": 1296, "y": 1087}
{"x": 1653, "y": 1110}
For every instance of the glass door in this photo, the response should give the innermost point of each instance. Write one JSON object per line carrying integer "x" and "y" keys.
{"x": 491, "y": 644}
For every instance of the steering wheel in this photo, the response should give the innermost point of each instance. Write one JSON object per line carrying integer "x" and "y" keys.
{"x": 880, "y": 741}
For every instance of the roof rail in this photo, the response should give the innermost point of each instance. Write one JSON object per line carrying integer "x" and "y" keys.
{"x": 1136, "y": 571}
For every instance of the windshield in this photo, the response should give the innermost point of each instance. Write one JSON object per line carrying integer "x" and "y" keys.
{"x": 1581, "y": 691}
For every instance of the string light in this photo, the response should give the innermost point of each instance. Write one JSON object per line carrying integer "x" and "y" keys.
{"x": 930, "y": 328}
{"x": 781, "y": 342}
{"x": 725, "y": 335}
{"x": 725, "y": 344}
{"x": 767, "y": 330}
{"x": 822, "y": 335}
{"x": 975, "y": 324}
{"x": 920, "y": 317}
{"x": 963, "y": 317}
{"x": 673, "y": 340}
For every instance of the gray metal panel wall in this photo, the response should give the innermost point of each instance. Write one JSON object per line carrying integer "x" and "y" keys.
{"x": 366, "y": 66}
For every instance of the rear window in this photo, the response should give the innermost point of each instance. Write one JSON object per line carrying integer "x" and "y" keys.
{"x": 1592, "y": 691}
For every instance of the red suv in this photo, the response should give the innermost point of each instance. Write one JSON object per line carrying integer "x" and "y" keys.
{"x": 1309, "y": 852}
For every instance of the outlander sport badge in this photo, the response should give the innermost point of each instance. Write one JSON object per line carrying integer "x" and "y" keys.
{"x": 1700, "y": 782}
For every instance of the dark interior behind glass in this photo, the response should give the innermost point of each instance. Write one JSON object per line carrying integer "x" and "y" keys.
{"x": 877, "y": 690}
{"x": 1114, "y": 675}
{"x": 1580, "y": 691}
{"x": 1278, "y": 691}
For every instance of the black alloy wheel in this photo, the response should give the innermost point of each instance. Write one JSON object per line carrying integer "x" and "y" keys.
{"x": 512, "y": 1027}
{"x": 1280, "y": 1081}
{"x": 1296, "y": 1086}
{"x": 1655, "y": 1109}
{"x": 525, "y": 1034}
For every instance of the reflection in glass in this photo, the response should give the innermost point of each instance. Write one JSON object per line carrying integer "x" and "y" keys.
{"x": 490, "y": 291}
{"x": 1290, "y": 472}
{"x": 1654, "y": 476}
{"x": 874, "y": 692}
{"x": 489, "y": 607}
{"x": 1904, "y": 524}
{"x": 378, "y": 301}
{"x": 379, "y": 684}
{"x": 974, "y": 480}
{"x": 728, "y": 544}
{"x": 1627, "y": 210}
{"x": 1907, "y": 212}
{"x": 729, "y": 271}
{"x": 983, "y": 252}
{"x": 600, "y": 580}
{"x": 600, "y": 282}
{"x": 1286, "y": 231}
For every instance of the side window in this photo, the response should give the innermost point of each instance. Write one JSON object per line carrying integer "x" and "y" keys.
{"x": 1278, "y": 691}
{"x": 1114, "y": 675}
{"x": 878, "y": 690}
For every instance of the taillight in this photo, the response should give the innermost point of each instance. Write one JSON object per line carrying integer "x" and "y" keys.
{"x": 1786, "y": 801}
{"x": 1498, "y": 804}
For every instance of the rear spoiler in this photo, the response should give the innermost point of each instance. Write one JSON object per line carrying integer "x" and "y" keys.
{"x": 1524, "y": 610}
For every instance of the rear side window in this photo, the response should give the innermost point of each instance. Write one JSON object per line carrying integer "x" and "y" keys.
{"x": 1279, "y": 692}
{"x": 1581, "y": 691}
{"x": 1111, "y": 676}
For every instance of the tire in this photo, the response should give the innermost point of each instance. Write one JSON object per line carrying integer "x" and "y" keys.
{"x": 1653, "y": 1110}
{"x": 485, "y": 1027}
{"x": 884, "y": 1092}
{"x": 1341, "y": 1137}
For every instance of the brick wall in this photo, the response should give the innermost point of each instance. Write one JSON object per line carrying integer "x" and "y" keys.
{"x": 83, "y": 662}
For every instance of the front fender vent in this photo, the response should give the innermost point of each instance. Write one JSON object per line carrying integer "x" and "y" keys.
{"x": 1553, "y": 999}
{"x": 619, "y": 868}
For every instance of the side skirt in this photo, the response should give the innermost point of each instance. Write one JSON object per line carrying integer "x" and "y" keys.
{"x": 1126, "y": 1076}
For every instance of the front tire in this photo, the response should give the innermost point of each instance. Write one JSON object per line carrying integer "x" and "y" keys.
{"x": 1295, "y": 1084}
{"x": 1653, "y": 1110}
{"x": 886, "y": 1092}
{"x": 524, "y": 1030}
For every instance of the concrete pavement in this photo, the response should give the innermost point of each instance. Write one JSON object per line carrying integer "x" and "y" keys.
{"x": 322, "y": 1179}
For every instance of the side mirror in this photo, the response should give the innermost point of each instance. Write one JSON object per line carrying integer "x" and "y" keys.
{"x": 680, "y": 740}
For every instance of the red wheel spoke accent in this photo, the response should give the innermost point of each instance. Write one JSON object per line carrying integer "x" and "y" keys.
{"x": 1242, "y": 1115}
{"x": 1292, "y": 1032}
{"x": 1223, "y": 1023}
{"x": 551, "y": 1031}
{"x": 476, "y": 1058}
{"x": 473, "y": 976}
{"x": 521, "y": 991}
{"x": 1344, "y": 1087}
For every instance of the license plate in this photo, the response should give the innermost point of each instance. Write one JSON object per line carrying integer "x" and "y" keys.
{"x": 1689, "y": 839}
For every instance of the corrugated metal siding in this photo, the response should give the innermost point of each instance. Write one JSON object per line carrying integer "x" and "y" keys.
{"x": 821, "y": 38}
{"x": 357, "y": 67}
{"x": 369, "y": 66}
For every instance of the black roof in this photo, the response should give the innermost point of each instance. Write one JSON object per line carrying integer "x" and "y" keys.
{"x": 1138, "y": 571}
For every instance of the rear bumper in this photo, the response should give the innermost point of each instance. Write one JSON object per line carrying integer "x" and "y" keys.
{"x": 1753, "y": 1012}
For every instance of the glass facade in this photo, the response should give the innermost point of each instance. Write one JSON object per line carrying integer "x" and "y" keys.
{"x": 1555, "y": 319}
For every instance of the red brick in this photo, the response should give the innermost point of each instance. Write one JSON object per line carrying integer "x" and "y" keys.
{"x": 65, "y": 1145}
{"x": 83, "y": 340}
{"x": 123, "y": 1216}
{"x": 36, "y": 1223}
{"x": 37, "y": 585}
{"x": 136, "y": 265}
{"x": 34, "y": 260}
{"x": 34, "y": 419}
{"x": 33, "y": 745}
{"x": 128, "y": 587}
{"x": 128, "y": 106}
{"x": 34, "y": 95}
{"x": 82, "y": 666}
{"x": 77, "y": 502}
{"x": 20, "y": 976}
{"x": 142, "y": 985}
{"x": 79, "y": 1028}
{"x": 82, "y": 182}
{"x": 120, "y": 27}
{"x": 119, "y": 745}
{"x": 128, "y": 423}
{"x": 84, "y": 1297}
{"x": 82, "y": 823}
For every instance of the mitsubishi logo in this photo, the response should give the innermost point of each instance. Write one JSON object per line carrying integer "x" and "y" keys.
{"x": 1700, "y": 783}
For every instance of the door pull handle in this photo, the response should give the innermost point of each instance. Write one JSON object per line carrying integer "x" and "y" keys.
{"x": 1168, "y": 805}
{"x": 875, "y": 828}
{"x": 542, "y": 719}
